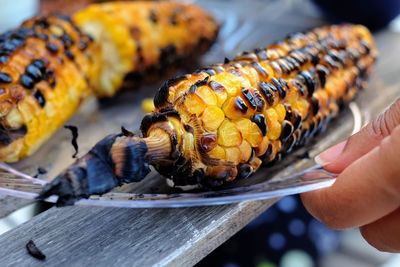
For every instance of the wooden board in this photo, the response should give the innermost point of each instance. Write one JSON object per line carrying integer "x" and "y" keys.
{"x": 176, "y": 237}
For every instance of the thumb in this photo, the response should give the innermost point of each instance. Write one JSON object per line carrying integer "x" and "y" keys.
{"x": 338, "y": 157}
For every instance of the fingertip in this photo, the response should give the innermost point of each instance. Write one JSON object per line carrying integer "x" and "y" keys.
{"x": 330, "y": 155}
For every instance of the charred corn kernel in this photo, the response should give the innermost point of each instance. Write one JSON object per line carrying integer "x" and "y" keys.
{"x": 235, "y": 108}
{"x": 266, "y": 71}
{"x": 233, "y": 154}
{"x": 207, "y": 95}
{"x": 217, "y": 153}
{"x": 135, "y": 36}
{"x": 280, "y": 111}
{"x": 212, "y": 118}
{"x": 148, "y": 105}
{"x": 245, "y": 151}
{"x": 229, "y": 134}
{"x": 261, "y": 115}
{"x": 262, "y": 147}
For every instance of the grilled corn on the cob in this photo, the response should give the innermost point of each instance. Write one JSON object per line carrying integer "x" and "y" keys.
{"x": 44, "y": 70}
{"x": 48, "y": 65}
{"x": 139, "y": 35}
{"x": 221, "y": 123}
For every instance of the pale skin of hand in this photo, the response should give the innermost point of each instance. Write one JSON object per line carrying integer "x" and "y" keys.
{"x": 366, "y": 193}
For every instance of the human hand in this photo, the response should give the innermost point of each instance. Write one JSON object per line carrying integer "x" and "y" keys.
{"x": 366, "y": 193}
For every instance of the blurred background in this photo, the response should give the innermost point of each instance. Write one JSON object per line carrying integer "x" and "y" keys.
{"x": 285, "y": 235}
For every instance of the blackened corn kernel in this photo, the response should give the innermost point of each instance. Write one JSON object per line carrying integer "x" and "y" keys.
{"x": 53, "y": 48}
{"x": 34, "y": 72}
{"x": 5, "y": 78}
{"x": 259, "y": 119}
{"x": 39, "y": 97}
{"x": 27, "y": 81}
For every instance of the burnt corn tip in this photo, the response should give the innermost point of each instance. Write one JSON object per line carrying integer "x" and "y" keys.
{"x": 61, "y": 188}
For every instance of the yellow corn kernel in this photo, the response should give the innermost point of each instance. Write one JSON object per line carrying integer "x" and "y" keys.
{"x": 271, "y": 114}
{"x": 212, "y": 118}
{"x": 301, "y": 106}
{"x": 195, "y": 104}
{"x": 268, "y": 70}
{"x": 281, "y": 111}
{"x": 331, "y": 87}
{"x": 251, "y": 74}
{"x": 244, "y": 126}
{"x": 148, "y": 105}
{"x": 233, "y": 154}
{"x": 217, "y": 152}
{"x": 245, "y": 150}
{"x": 322, "y": 97}
{"x": 232, "y": 111}
{"x": 221, "y": 95}
{"x": 231, "y": 82}
{"x": 228, "y": 134}
{"x": 207, "y": 95}
{"x": 274, "y": 129}
{"x": 292, "y": 94}
{"x": 255, "y": 136}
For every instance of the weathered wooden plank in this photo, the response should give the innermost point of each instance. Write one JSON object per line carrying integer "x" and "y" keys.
{"x": 120, "y": 237}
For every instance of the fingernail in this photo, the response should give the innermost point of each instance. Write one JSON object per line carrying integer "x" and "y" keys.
{"x": 330, "y": 155}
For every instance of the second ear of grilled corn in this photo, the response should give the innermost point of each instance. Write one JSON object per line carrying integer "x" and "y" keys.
{"x": 45, "y": 66}
{"x": 223, "y": 122}
{"x": 139, "y": 35}
{"x": 50, "y": 64}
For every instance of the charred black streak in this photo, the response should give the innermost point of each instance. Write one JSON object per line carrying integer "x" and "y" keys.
{"x": 241, "y": 105}
{"x": 126, "y": 132}
{"x": 74, "y": 141}
{"x": 161, "y": 97}
{"x": 34, "y": 251}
